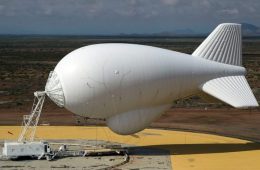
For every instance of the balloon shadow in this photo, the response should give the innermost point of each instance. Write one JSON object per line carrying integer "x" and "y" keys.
{"x": 186, "y": 149}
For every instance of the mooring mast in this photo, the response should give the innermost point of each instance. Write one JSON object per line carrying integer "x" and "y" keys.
{"x": 30, "y": 121}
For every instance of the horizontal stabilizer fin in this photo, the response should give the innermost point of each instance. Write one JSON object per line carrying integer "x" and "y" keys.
{"x": 233, "y": 90}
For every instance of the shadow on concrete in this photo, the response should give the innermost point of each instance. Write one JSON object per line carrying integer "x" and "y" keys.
{"x": 186, "y": 149}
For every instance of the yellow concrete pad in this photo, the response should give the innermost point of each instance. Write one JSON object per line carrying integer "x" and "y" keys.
{"x": 188, "y": 150}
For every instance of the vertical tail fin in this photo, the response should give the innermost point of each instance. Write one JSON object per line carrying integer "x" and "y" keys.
{"x": 222, "y": 45}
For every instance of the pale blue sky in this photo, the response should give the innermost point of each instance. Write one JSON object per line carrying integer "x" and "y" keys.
{"x": 122, "y": 16}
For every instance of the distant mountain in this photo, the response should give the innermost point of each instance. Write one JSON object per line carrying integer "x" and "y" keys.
{"x": 174, "y": 33}
{"x": 178, "y": 32}
{"x": 250, "y": 29}
{"x": 247, "y": 30}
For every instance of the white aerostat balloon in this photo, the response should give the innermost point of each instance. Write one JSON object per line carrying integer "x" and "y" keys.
{"x": 131, "y": 85}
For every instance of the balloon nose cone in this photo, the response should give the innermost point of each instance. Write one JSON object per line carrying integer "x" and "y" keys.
{"x": 54, "y": 89}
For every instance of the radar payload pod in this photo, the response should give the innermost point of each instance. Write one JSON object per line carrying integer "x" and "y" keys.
{"x": 131, "y": 85}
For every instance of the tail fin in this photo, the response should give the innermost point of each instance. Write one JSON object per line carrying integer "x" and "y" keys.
{"x": 222, "y": 45}
{"x": 233, "y": 90}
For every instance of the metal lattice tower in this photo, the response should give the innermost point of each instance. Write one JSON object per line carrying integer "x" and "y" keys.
{"x": 30, "y": 121}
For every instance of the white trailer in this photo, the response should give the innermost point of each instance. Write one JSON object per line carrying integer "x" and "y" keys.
{"x": 20, "y": 149}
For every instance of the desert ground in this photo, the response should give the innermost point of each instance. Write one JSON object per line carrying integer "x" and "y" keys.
{"x": 25, "y": 62}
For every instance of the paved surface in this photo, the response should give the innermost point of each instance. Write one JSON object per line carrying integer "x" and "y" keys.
{"x": 139, "y": 158}
{"x": 187, "y": 150}
{"x": 86, "y": 163}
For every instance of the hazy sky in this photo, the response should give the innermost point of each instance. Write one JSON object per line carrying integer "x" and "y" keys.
{"x": 122, "y": 16}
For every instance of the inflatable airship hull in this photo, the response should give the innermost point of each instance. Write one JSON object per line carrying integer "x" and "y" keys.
{"x": 131, "y": 85}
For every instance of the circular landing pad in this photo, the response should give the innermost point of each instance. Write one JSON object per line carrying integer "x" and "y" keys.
{"x": 185, "y": 150}
{"x": 101, "y": 158}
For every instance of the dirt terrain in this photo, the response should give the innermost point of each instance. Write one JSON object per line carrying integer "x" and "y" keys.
{"x": 25, "y": 63}
{"x": 230, "y": 122}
